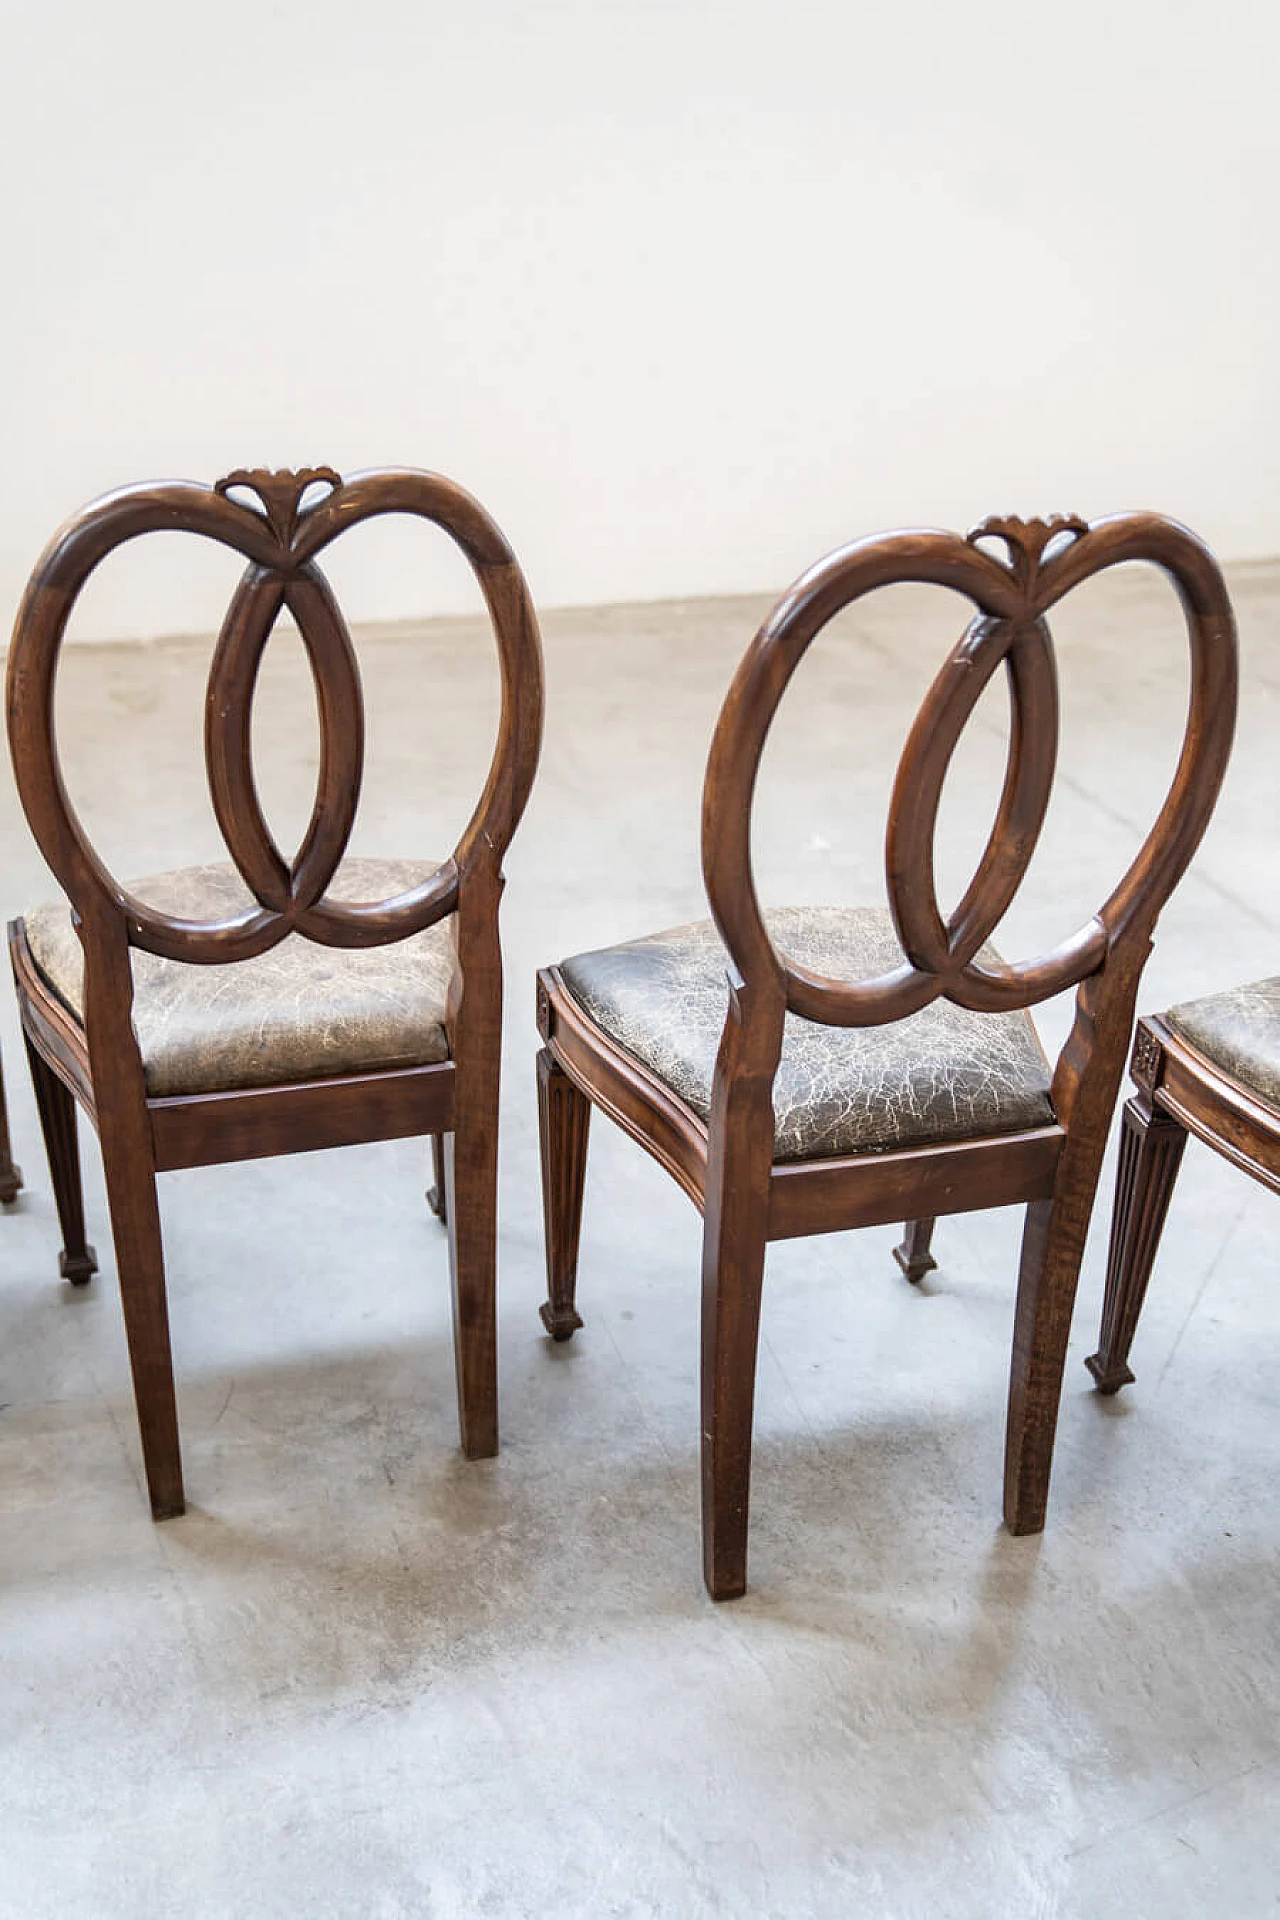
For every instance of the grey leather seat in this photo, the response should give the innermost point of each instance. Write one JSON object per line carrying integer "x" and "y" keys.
{"x": 1239, "y": 1031}
{"x": 943, "y": 1074}
{"x": 299, "y": 1012}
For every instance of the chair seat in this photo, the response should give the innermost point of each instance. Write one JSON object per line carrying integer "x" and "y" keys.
{"x": 1239, "y": 1031}
{"x": 299, "y": 1012}
{"x": 944, "y": 1074}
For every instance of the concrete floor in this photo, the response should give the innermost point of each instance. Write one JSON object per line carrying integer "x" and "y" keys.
{"x": 363, "y": 1677}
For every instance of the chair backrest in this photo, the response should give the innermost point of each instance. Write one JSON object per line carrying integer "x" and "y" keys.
{"x": 281, "y": 540}
{"x": 1046, "y": 559}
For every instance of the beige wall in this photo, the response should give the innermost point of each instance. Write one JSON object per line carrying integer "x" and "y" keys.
{"x": 686, "y": 292}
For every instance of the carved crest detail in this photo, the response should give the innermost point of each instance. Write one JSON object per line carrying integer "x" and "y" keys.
{"x": 1026, "y": 540}
{"x": 280, "y": 492}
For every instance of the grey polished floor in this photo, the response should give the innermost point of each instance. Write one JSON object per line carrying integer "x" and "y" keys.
{"x": 363, "y": 1677}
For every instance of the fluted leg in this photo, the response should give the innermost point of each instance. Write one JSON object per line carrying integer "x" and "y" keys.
{"x": 57, "y": 1109}
{"x": 913, "y": 1255}
{"x": 564, "y": 1115}
{"x": 436, "y": 1192}
{"x": 10, "y": 1175}
{"x": 1151, "y": 1145}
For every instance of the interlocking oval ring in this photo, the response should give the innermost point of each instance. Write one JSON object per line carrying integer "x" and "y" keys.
{"x": 280, "y": 545}
{"x": 1046, "y": 559}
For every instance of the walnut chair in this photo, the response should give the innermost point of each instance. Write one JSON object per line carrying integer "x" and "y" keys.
{"x": 1209, "y": 1067}
{"x": 270, "y": 1006}
{"x": 805, "y": 1071}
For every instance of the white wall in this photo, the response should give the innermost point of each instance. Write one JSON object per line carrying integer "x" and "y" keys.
{"x": 685, "y": 292}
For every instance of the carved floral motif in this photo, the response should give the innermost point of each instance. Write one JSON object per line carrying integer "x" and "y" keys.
{"x": 1146, "y": 1057}
{"x": 280, "y": 492}
{"x": 1026, "y": 540}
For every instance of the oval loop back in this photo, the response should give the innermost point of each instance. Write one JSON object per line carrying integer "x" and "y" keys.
{"x": 280, "y": 540}
{"x": 1011, "y": 599}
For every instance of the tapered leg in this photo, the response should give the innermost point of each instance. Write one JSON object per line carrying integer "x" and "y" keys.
{"x": 564, "y": 1115}
{"x": 135, "y": 1225}
{"x": 435, "y": 1192}
{"x": 733, "y": 1275}
{"x": 57, "y": 1109}
{"x": 1151, "y": 1144}
{"x": 471, "y": 1189}
{"x": 913, "y": 1256}
{"x": 10, "y": 1175}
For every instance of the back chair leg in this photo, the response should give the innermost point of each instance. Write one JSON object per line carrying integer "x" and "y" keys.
{"x": 913, "y": 1255}
{"x": 135, "y": 1225}
{"x": 10, "y": 1175}
{"x": 471, "y": 1196}
{"x": 732, "y": 1280}
{"x": 1151, "y": 1145}
{"x": 564, "y": 1115}
{"x": 57, "y": 1109}
{"x": 435, "y": 1192}
{"x": 734, "y": 1235}
{"x": 1052, "y": 1248}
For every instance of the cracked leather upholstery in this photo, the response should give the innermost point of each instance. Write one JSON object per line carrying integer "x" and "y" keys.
{"x": 1240, "y": 1032}
{"x": 942, "y": 1074}
{"x": 300, "y": 1012}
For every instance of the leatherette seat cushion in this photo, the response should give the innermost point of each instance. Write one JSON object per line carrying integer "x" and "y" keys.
{"x": 299, "y": 1012}
{"x": 1239, "y": 1031}
{"x": 943, "y": 1074}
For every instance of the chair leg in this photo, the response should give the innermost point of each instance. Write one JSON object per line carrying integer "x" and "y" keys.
{"x": 732, "y": 1280}
{"x": 435, "y": 1192}
{"x": 734, "y": 1241}
{"x": 135, "y": 1225}
{"x": 564, "y": 1115}
{"x": 913, "y": 1256}
{"x": 10, "y": 1175}
{"x": 1052, "y": 1248}
{"x": 471, "y": 1193}
{"x": 1151, "y": 1146}
{"x": 57, "y": 1109}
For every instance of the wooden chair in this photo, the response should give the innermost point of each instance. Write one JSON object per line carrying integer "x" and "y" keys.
{"x": 1209, "y": 1067}
{"x": 858, "y": 1067}
{"x": 366, "y": 1007}
{"x": 10, "y": 1174}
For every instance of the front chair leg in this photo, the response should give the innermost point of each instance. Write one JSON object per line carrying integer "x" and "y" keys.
{"x": 913, "y": 1255}
{"x": 57, "y": 1109}
{"x": 435, "y": 1192}
{"x": 564, "y": 1115}
{"x": 1151, "y": 1144}
{"x": 471, "y": 1197}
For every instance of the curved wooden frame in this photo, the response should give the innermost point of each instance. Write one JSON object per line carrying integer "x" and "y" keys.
{"x": 1179, "y": 1091}
{"x": 99, "y": 1064}
{"x": 727, "y": 1166}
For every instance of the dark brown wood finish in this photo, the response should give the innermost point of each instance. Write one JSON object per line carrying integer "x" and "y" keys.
{"x": 1179, "y": 1092}
{"x": 727, "y": 1166}
{"x": 913, "y": 1253}
{"x": 10, "y": 1174}
{"x": 564, "y": 1115}
{"x": 435, "y": 1192}
{"x": 262, "y": 516}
